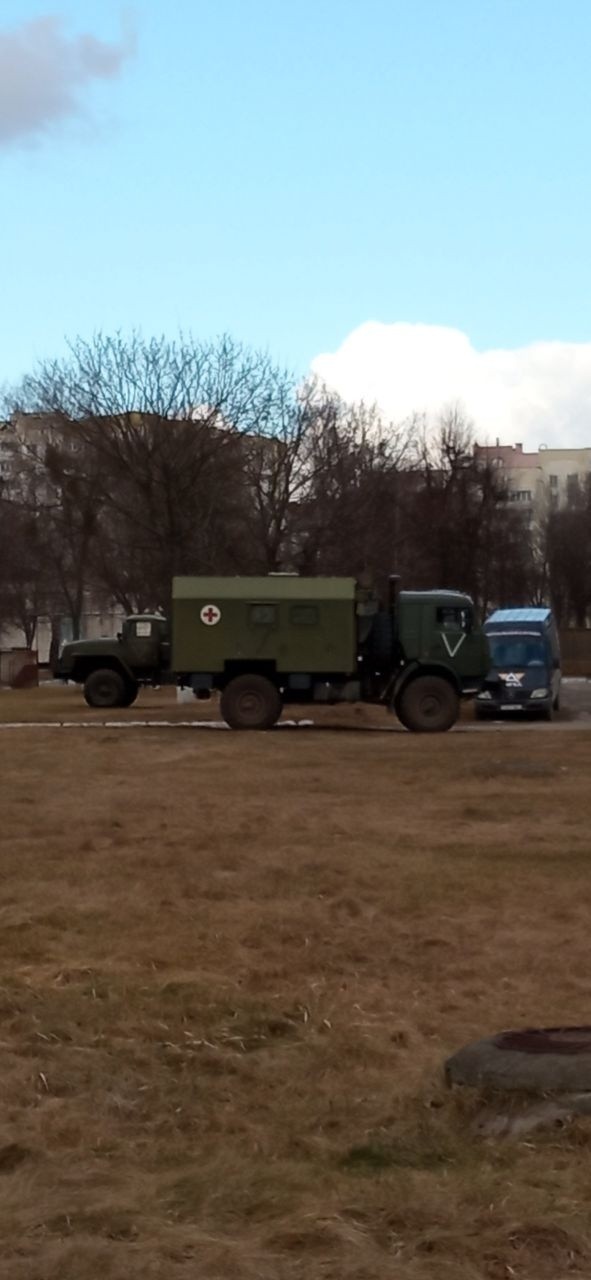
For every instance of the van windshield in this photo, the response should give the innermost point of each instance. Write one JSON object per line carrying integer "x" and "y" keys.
{"x": 517, "y": 651}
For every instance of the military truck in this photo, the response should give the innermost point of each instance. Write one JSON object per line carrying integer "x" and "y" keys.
{"x": 264, "y": 642}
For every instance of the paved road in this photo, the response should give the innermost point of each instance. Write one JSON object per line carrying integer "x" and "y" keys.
{"x": 575, "y": 713}
{"x": 576, "y": 698}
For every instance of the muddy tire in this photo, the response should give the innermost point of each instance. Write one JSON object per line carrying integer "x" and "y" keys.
{"x": 105, "y": 688}
{"x": 428, "y": 704}
{"x": 537, "y": 1060}
{"x": 250, "y": 702}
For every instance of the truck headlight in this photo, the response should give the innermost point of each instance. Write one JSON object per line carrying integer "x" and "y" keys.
{"x": 540, "y": 693}
{"x": 485, "y": 696}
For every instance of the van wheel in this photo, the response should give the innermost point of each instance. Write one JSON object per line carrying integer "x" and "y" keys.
{"x": 105, "y": 688}
{"x": 428, "y": 704}
{"x": 250, "y": 702}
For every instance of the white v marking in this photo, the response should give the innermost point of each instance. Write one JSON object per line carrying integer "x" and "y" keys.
{"x": 452, "y": 649}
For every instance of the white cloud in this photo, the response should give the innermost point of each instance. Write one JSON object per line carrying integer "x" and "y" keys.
{"x": 539, "y": 394}
{"x": 42, "y": 71}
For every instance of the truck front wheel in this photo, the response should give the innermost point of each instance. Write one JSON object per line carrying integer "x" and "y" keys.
{"x": 428, "y": 704}
{"x": 105, "y": 688}
{"x": 250, "y": 702}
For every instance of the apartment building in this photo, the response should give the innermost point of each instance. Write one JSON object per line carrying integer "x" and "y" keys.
{"x": 541, "y": 480}
{"x": 6, "y": 450}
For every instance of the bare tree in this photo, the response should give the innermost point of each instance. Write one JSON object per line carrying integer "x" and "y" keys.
{"x": 347, "y": 520}
{"x": 158, "y": 427}
{"x": 54, "y": 496}
{"x": 466, "y": 533}
{"x": 155, "y": 458}
{"x": 569, "y": 562}
{"x": 24, "y": 579}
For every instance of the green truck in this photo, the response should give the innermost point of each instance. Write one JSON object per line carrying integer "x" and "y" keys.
{"x": 266, "y": 642}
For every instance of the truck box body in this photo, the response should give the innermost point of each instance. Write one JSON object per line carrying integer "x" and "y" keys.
{"x": 298, "y": 624}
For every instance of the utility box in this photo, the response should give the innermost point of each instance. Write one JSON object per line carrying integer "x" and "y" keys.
{"x": 19, "y": 668}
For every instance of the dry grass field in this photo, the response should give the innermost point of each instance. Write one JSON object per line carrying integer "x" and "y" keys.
{"x": 231, "y": 969}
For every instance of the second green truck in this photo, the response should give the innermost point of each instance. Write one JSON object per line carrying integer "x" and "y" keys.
{"x": 264, "y": 642}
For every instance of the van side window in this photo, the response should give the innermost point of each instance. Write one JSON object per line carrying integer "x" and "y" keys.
{"x": 304, "y": 615}
{"x": 263, "y": 615}
{"x": 143, "y": 629}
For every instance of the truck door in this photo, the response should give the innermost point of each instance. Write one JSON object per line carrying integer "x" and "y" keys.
{"x": 456, "y": 642}
{"x": 142, "y": 644}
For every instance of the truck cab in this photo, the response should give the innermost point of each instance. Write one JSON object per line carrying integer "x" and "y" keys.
{"x": 113, "y": 670}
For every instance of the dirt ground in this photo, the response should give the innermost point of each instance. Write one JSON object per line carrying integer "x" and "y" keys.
{"x": 231, "y": 969}
{"x": 55, "y": 703}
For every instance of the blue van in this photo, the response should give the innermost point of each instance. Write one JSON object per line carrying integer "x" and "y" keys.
{"x": 525, "y": 664}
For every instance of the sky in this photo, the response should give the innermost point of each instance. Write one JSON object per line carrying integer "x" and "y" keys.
{"x": 393, "y": 195}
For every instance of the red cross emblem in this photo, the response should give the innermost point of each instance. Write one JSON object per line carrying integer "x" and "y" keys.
{"x": 210, "y": 615}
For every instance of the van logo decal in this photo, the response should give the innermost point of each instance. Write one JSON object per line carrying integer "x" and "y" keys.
{"x": 512, "y": 679}
{"x": 452, "y": 649}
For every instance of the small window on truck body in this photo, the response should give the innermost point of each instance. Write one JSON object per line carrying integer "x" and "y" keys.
{"x": 143, "y": 630}
{"x": 304, "y": 615}
{"x": 452, "y": 618}
{"x": 262, "y": 615}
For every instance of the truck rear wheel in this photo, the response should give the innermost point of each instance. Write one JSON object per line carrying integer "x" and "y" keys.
{"x": 428, "y": 704}
{"x": 250, "y": 702}
{"x": 105, "y": 688}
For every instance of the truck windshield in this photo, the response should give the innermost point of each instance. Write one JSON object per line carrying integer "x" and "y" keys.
{"x": 517, "y": 651}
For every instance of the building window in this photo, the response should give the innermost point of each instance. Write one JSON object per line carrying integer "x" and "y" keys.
{"x": 553, "y": 482}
